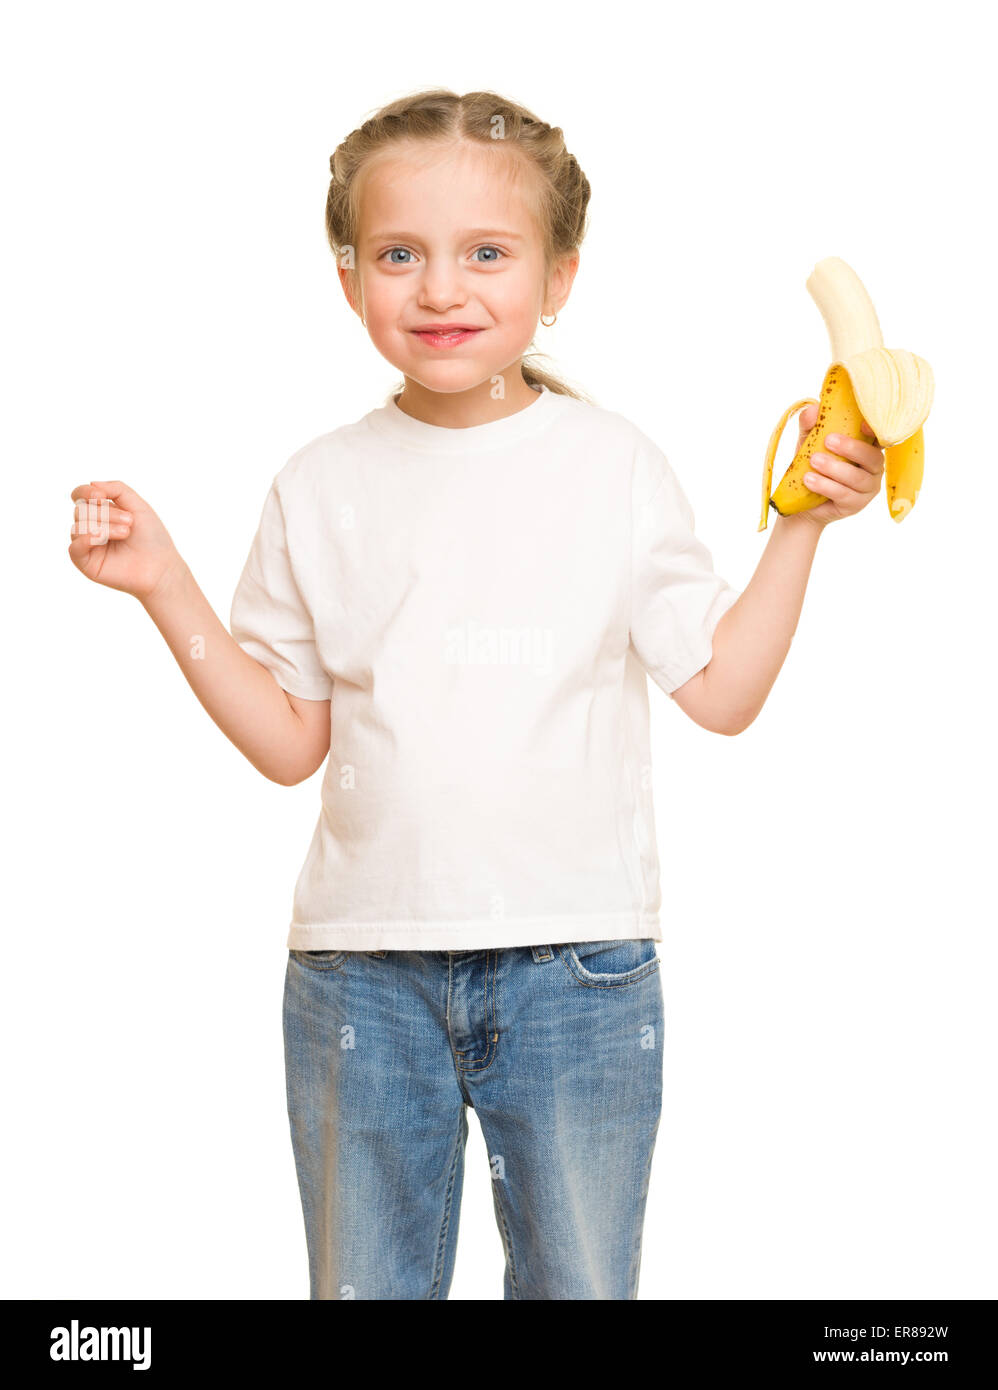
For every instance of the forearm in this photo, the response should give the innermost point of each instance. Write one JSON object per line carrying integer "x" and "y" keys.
{"x": 753, "y": 637}
{"x": 239, "y": 694}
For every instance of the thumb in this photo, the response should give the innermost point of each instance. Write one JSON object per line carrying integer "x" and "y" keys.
{"x": 118, "y": 492}
{"x": 806, "y": 421}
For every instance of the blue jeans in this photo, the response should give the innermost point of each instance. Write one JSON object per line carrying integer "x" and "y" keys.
{"x": 558, "y": 1049}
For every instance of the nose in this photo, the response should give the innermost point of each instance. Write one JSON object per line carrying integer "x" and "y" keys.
{"x": 440, "y": 288}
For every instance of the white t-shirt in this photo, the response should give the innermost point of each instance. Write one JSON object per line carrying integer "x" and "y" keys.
{"x": 480, "y": 606}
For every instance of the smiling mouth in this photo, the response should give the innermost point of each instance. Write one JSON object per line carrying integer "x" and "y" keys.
{"x": 445, "y": 337}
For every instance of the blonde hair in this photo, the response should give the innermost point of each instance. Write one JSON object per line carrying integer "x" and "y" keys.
{"x": 560, "y": 191}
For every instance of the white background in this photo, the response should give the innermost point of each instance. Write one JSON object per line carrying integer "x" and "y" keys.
{"x": 172, "y": 317}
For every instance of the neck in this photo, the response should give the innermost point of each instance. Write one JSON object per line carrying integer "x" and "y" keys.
{"x": 464, "y": 409}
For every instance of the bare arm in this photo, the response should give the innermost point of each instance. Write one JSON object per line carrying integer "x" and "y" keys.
{"x": 284, "y": 737}
{"x": 753, "y": 637}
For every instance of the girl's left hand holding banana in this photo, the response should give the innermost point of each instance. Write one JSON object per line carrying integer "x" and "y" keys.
{"x": 846, "y": 470}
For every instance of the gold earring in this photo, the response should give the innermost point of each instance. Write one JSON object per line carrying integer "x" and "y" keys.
{"x": 554, "y": 320}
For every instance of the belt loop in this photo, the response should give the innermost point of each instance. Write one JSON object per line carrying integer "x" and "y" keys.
{"x": 542, "y": 953}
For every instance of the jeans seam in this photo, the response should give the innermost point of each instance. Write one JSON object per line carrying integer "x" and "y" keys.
{"x": 639, "y": 1235}
{"x": 477, "y": 1065}
{"x": 507, "y": 1239}
{"x": 445, "y": 1223}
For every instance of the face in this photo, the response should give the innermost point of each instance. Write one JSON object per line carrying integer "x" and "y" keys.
{"x": 445, "y": 240}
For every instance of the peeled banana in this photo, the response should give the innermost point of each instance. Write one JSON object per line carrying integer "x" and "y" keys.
{"x": 889, "y": 388}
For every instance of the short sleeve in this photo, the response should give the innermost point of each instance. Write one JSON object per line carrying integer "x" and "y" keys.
{"x": 677, "y": 599}
{"x": 269, "y": 618}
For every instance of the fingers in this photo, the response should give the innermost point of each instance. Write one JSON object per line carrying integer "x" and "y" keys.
{"x": 95, "y": 522}
{"x": 98, "y": 520}
{"x": 119, "y": 493}
{"x": 99, "y": 516}
{"x": 96, "y": 516}
{"x": 100, "y": 492}
{"x": 91, "y": 510}
{"x": 104, "y": 504}
{"x": 867, "y": 456}
{"x": 100, "y": 535}
{"x": 841, "y": 477}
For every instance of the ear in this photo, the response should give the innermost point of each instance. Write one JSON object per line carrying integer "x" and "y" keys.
{"x": 560, "y": 281}
{"x": 348, "y": 281}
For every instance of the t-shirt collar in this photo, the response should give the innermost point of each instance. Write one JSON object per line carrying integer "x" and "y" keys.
{"x": 396, "y": 425}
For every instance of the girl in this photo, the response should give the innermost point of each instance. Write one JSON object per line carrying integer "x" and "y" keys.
{"x": 458, "y": 597}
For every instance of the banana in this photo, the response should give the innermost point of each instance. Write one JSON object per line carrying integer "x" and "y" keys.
{"x": 890, "y": 388}
{"x": 903, "y": 470}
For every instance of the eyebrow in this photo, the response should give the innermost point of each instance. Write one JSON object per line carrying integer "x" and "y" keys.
{"x": 472, "y": 232}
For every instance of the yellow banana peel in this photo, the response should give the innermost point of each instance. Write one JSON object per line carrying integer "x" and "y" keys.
{"x": 890, "y": 388}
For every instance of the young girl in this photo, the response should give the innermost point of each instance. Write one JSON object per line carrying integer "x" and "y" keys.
{"x": 458, "y": 597}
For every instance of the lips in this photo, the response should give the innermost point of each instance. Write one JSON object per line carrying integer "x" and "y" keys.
{"x": 446, "y": 336}
{"x": 440, "y": 328}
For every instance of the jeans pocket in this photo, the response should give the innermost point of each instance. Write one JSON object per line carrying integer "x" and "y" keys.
{"x": 330, "y": 960}
{"x": 610, "y": 963}
{"x": 319, "y": 960}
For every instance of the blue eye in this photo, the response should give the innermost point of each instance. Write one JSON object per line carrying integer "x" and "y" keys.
{"x": 406, "y": 252}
